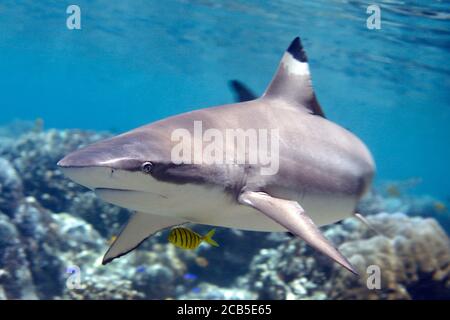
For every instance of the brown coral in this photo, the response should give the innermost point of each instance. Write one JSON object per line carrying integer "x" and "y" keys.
{"x": 413, "y": 255}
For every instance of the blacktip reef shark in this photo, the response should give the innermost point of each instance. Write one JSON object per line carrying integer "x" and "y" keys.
{"x": 324, "y": 169}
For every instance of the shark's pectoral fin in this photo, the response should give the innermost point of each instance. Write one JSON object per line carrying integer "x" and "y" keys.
{"x": 291, "y": 215}
{"x": 139, "y": 227}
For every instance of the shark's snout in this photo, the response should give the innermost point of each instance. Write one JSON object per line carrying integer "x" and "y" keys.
{"x": 89, "y": 157}
{"x": 122, "y": 152}
{"x": 98, "y": 164}
{"x": 81, "y": 159}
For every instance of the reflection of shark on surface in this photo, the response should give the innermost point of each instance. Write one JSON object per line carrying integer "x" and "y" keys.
{"x": 323, "y": 169}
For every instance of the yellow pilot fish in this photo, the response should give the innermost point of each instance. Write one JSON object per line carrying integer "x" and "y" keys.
{"x": 188, "y": 239}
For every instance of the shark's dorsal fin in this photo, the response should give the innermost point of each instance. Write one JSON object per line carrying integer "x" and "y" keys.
{"x": 292, "y": 81}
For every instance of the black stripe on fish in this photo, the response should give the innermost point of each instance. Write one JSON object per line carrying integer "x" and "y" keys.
{"x": 178, "y": 236}
{"x": 183, "y": 237}
{"x": 190, "y": 234}
{"x": 174, "y": 236}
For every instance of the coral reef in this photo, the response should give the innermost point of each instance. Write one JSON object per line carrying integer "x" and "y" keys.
{"x": 54, "y": 233}
{"x": 15, "y": 277}
{"x": 412, "y": 254}
{"x": 207, "y": 291}
{"x": 33, "y": 157}
{"x": 11, "y": 188}
{"x": 423, "y": 205}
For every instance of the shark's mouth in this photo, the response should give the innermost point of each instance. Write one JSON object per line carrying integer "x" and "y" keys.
{"x": 129, "y": 190}
{"x": 131, "y": 199}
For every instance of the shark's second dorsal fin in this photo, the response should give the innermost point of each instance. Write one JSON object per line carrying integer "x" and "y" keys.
{"x": 292, "y": 81}
{"x": 241, "y": 92}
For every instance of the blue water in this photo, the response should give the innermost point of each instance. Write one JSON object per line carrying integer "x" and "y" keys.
{"x": 138, "y": 61}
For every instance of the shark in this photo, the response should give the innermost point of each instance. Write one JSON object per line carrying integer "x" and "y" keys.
{"x": 324, "y": 169}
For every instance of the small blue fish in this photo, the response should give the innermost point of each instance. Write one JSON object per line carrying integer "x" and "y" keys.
{"x": 189, "y": 276}
{"x": 196, "y": 290}
{"x": 140, "y": 269}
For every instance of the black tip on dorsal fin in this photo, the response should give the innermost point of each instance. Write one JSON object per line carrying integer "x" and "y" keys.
{"x": 296, "y": 50}
{"x": 292, "y": 81}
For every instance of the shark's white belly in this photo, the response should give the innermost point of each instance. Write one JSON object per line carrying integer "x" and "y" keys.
{"x": 216, "y": 208}
{"x": 213, "y": 206}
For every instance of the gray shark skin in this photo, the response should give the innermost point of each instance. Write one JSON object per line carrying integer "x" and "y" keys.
{"x": 323, "y": 169}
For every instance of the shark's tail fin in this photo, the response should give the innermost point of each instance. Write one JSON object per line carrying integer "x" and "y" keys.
{"x": 208, "y": 238}
{"x": 292, "y": 81}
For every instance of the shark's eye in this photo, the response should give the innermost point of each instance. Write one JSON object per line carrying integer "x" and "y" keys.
{"x": 147, "y": 167}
